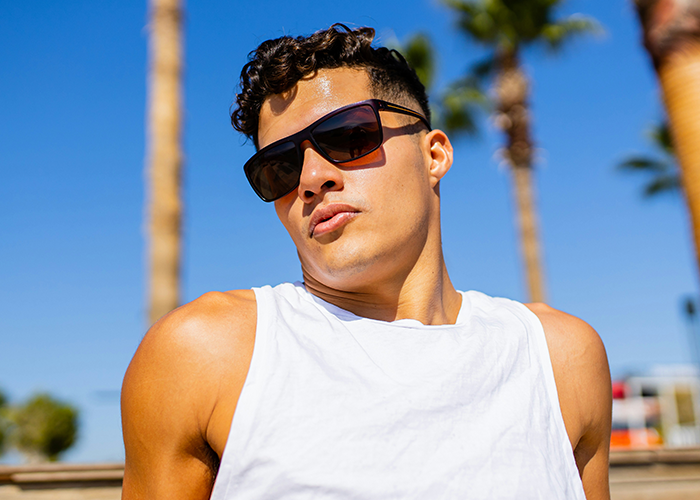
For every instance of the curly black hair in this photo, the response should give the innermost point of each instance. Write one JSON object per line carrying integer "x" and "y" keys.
{"x": 277, "y": 65}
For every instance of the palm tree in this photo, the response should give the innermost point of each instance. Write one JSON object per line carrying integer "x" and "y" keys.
{"x": 672, "y": 38}
{"x": 164, "y": 156}
{"x": 505, "y": 27}
{"x": 662, "y": 169}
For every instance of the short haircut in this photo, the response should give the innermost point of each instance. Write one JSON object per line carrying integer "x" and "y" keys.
{"x": 277, "y": 65}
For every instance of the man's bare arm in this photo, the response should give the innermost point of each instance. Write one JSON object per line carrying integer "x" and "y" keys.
{"x": 583, "y": 383}
{"x": 179, "y": 395}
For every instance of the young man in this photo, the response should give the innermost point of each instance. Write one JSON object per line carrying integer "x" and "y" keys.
{"x": 374, "y": 378}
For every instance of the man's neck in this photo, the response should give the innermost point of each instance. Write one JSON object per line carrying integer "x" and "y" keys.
{"x": 428, "y": 297}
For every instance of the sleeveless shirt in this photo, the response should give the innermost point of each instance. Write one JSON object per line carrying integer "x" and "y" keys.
{"x": 337, "y": 406}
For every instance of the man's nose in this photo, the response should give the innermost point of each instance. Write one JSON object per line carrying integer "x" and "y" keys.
{"x": 318, "y": 175}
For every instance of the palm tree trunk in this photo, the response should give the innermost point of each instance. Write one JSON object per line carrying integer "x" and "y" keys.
{"x": 680, "y": 83}
{"x": 512, "y": 89}
{"x": 672, "y": 38}
{"x": 164, "y": 157}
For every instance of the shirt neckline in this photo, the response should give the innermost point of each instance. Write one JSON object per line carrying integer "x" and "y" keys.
{"x": 345, "y": 315}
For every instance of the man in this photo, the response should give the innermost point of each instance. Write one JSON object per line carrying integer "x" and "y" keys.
{"x": 374, "y": 378}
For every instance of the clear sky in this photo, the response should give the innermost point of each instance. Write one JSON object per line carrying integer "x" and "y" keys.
{"x": 72, "y": 96}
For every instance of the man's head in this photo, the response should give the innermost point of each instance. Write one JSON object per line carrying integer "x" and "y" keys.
{"x": 360, "y": 222}
{"x": 277, "y": 65}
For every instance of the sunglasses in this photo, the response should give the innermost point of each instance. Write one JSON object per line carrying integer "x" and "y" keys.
{"x": 341, "y": 136}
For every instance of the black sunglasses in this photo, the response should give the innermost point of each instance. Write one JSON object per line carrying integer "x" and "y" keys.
{"x": 343, "y": 135}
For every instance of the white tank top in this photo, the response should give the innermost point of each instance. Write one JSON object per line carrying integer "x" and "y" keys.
{"x": 336, "y": 406}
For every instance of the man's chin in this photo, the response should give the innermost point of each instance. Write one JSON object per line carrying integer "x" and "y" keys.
{"x": 344, "y": 271}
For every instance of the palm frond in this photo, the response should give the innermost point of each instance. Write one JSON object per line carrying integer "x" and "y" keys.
{"x": 466, "y": 8}
{"x": 559, "y": 32}
{"x": 476, "y": 19}
{"x": 644, "y": 164}
{"x": 511, "y": 23}
{"x": 663, "y": 172}
{"x": 459, "y": 104}
{"x": 456, "y": 119}
{"x": 660, "y": 135}
{"x": 420, "y": 55}
{"x": 664, "y": 184}
{"x": 484, "y": 68}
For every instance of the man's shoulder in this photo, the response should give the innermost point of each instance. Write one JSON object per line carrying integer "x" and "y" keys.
{"x": 582, "y": 377}
{"x": 187, "y": 353}
{"x": 215, "y": 317}
{"x": 567, "y": 336}
{"x": 174, "y": 415}
{"x": 575, "y": 348}
{"x": 211, "y": 307}
{"x": 199, "y": 332}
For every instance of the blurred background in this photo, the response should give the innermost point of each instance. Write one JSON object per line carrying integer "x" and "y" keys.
{"x": 73, "y": 260}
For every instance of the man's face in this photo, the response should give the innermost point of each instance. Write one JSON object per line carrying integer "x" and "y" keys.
{"x": 359, "y": 222}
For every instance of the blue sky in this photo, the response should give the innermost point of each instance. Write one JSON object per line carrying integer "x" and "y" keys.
{"x": 72, "y": 81}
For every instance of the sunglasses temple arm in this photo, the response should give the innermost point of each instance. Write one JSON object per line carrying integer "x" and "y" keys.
{"x": 404, "y": 111}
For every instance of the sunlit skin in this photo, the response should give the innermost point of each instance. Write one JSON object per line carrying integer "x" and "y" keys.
{"x": 379, "y": 255}
{"x": 384, "y": 259}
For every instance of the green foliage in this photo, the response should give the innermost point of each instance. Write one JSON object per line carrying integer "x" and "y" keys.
{"x": 507, "y": 24}
{"x": 4, "y": 423}
{"x": 419, "y": 54}
{"x": 557, "y": 33}
{"x": 460, "y": 103}
{"x": 454, "y": 110}
{"x": 662, "y": 170}
{"x": 44, "y": 427}
{"x": 661, "y": 137}
{"x": 503, "y": 26}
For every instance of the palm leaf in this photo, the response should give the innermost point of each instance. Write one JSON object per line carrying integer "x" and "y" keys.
{"x": 460, "y": 103}
{"x": 510, "y": 23}
{"x": 661, "y": 137}
{"x": 645, "y": 164}
{"x": 476, "y": 19}
{"x": 663, "y": 171}
{"x": 484, "y": 69}
{"x": 664, "y": 184}
{"x": 420, "y": 55}
{"x": 556, "y": 34}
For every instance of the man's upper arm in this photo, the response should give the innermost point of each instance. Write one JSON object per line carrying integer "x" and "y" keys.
{"x": 171, "y": 395}
{"x": 582, "y": 377}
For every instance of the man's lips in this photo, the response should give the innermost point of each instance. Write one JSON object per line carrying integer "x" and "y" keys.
{"x": 330, "y": 217}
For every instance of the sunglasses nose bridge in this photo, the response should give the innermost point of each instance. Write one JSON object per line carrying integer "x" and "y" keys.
{"x": 318, "y": 174}
{"x": 308, "y": 142}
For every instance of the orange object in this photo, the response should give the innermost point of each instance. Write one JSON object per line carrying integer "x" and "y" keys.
{"x": 635, "y": 438}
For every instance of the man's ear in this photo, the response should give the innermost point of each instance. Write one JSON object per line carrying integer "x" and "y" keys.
{"x": 439, "y": 148}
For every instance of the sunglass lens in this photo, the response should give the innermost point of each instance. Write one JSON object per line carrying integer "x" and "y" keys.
{"x": 350, "y": 134}
{"x": 275, "y": 172}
